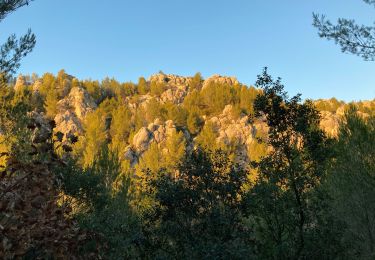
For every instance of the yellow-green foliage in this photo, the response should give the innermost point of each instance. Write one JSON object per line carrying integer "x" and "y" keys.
{"x": 152, "y": 159}
{"x": 196, "y": 82}
{"x": 207, "y": 137}
{"x": 96, "y": 132}
{"x": 93, "y": 88}
{"x": 194, "y": 122}
{"x": 216, "y": 96}
{"x": 121, "y": 127}
{"x": 157, "y": 88}
{"x": 142, "y": 87}
{"x": 50, "y": 105}
{"x": 330, "y": 105}
{"x": 175, "y": 149}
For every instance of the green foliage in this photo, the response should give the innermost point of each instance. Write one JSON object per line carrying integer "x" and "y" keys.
{"x": 330, "y": 105}
{"x": 216, "y": 96}
{"x": 142, "y": 86}
{"x": 175, "y": 113}
{"x": 196, "y": 82}
{"x": 152, "y": 159}
{"x": 102, "y": 193}
{"x": 194, "y": 122}
{"x": 203, "y": 202}
{"x": 15, "y": 136}
{"x": 154, "y": 109}
{"x": 194, "y": 102}
{"x": 50, "y": 105}
{"x": 94, "y": 89}
{"x": 63, "y": 83}
{"x": 290, "y": 172}
{"x": 157, "y": 88}
{"x": 121, "y": 127}
{"x": 207, "y": 137}
{"x": 175, "y": 149}
{"x": 247, "y": 97}
{"x": 352, "y": 38}
{"x": 94, "y": 138}
{"x": 352, "y": 183}
{"x": 13, "y": 50}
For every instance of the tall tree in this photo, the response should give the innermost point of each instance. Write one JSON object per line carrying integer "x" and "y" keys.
{"x": 203, "y": 202}
{"x": 50, "y": 104}
{"x": 352, "y": 183}
{"x": 289, "y": 172}
{"x": 352, "y": 37}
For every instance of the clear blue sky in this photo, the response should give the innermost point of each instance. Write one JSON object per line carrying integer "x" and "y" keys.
{"x": 126, "y": 39}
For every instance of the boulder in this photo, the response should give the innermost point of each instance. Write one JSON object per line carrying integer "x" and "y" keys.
{"x": 141, "y": 140}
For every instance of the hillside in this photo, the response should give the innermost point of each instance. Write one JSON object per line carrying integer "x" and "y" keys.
{"x": 110, "y": 170}
{"x": 158, "y": 117}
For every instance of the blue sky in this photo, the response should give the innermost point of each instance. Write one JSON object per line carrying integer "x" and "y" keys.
{"x": 126, "y": 39}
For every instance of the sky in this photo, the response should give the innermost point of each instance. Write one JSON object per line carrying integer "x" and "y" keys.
{"x": 126, "y": 39}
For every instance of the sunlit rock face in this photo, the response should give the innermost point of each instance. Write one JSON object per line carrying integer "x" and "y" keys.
{"x": 239, "y": 131}
{"x": 329, "y": 123}
{"x": 41, "y": 127}
{"x": 78, "y": 101}
{"x": 171, "y": 80}
{"x": 221, "y": 80}
{"x": 156, "y": 132}
{"x": 20, "y": 83}
{"x": 72, "y": 110}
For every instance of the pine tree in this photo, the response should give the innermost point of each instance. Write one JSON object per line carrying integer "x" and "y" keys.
{"x": 143, "y": 87}
{"x": 196, "y": 82}
{"x": 207, "y": 137}
{"x": 175, "y": 149}
{"x": 194, "y": 122}
{"x": 50, "y": 105}
{"x": 95, "y": 137}
{"x": 121, "y": 127}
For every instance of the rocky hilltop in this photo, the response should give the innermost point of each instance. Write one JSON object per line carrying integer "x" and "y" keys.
{"x": 230, "y": 126}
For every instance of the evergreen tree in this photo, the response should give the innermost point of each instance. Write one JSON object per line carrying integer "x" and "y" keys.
{"x": 50, "y": 105}
{"x": 351, "y": 184}
{"x": 175, "y": 149}
{"x": 194, "y": 122}
{"x": 353, "y": 38}
{"x": 142, "y": 87}
{"x": 94, "y": 138}
{"x": 152, "y": 160}
{"x": 207, "y": 137}
{"x": 13, "y": 50}
{"x": 157, "y": 88}
{"x": 196, "y": 82}
{"x": 121, "y": 126}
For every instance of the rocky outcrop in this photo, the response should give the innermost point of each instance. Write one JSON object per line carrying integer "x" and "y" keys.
{"x": 232, "y": 130}
{"x": 68, "y": 124}
{"x": 41, "y": 127}
{"x": 157, "y": 132}
{"x": 240, "y": 132}
{"x": 79, "y": 101}
{"x": 174, "y": 95}
{"x": 221, "y": 80}
{"x": 170, "y": 79}
{"x": 142, "y": 140}
{"x": 72, "y": 111}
